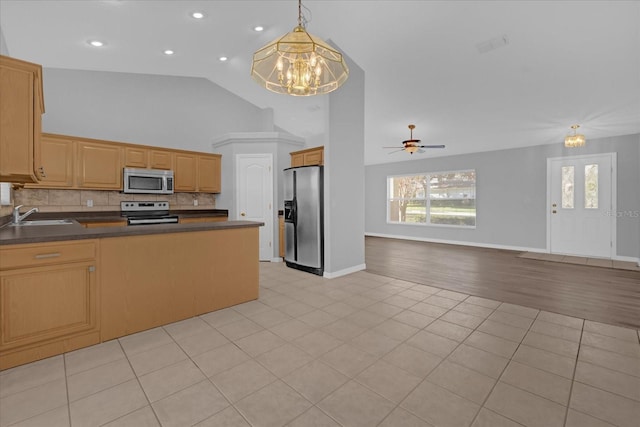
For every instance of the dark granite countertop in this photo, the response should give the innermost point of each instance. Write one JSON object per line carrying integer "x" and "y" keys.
{"x": 50, "y": 233}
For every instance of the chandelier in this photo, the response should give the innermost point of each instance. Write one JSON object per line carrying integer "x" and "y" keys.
{"x": 575, "y": 140}
{"x": 299, "y": 64}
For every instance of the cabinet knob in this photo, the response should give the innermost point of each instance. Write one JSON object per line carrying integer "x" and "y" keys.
{"x": 242, "y": 214}
{"x": 92, "y": 268}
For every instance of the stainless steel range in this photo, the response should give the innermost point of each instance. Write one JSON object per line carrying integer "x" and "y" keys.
{"x": 147, "y": 213}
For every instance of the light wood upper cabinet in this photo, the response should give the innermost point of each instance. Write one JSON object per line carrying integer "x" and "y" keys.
{"x": 57, "y": 162}
{"x": 99, "y": 165}
{"x": 186, "y": 172}
{"x": 308, "y": 157}
{"x": 136, "y": 157}
{"x": 197, "y": 172}
{"x": 297, "y": 160}
{"x": 21, "y": 108}
{"x": 209, "y": 174}
{"x": 160, "y": 159}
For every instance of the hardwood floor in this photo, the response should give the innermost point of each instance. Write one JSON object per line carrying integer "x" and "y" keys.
{"x": 593, "y": 293}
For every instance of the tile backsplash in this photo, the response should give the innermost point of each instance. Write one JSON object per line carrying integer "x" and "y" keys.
{"x": 77, "y": 200}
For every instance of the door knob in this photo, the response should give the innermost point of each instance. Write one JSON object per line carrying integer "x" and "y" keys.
{"x": 553, "y": 211}
{"x": 242, "y": 214}
{"x": 554, "y": 205}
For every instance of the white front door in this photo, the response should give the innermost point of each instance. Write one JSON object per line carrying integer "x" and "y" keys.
{"x": 581, "y": 220}
{"x": 254, "y": 196}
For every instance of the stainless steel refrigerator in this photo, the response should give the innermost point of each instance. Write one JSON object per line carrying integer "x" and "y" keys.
{"x": 303, "y": 219}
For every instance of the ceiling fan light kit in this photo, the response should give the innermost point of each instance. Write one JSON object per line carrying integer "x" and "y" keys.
{"x": 413, "y": 145}
{"x": 299, "y": 64}
{"x": 575, "y": 140}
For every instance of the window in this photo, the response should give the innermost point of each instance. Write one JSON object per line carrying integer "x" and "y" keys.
{"x": 443, "y": 198}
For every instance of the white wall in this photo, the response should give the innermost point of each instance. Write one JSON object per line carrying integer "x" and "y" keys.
{"x": 165, "y": 111}
{"x": 344, "y": 177}
{"x": 511, "y": 195}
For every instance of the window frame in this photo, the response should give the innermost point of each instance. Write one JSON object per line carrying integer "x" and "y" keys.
{"x": 427, "y": 199}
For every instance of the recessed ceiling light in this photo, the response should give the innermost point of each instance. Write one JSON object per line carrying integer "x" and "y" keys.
{"x": 222, "y": 58}
{"x": 258, "y": 28}
{"x": 198, "y": 15}
{"x": 96, "y": 43}
{"x": 169, "y": 52}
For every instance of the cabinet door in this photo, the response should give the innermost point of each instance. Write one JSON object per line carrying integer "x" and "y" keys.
{"x": 42, "y": 303}
{"x": 297, "y": 160}
{"x": 313, "y": 157}
{"x": 185, "y": 174}
{"x": 57, "y": 162}
{"x": 209, "y": 174}
{"x": 136, "y": 157}
{"x": 18, "y": 119}
{"x": 160, "y": 159}
{"x": 99, "y": 165}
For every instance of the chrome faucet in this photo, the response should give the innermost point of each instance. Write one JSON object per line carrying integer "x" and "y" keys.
{"x": 17, "y": 218}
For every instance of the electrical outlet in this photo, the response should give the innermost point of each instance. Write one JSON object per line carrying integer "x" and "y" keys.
{"x": 195, "y": 202}
{"x": 89, "y": 203}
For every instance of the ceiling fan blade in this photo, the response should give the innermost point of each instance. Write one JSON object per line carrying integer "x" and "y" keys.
{"x": 394, "y": 147}
{"x": 431, "y": 146}
{"x": 420, "y": 151}
{"x": 402, "y": 149}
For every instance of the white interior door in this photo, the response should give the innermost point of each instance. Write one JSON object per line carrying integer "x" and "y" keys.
{"x": 254, "y": 196}
{"x": 581, "y": 205}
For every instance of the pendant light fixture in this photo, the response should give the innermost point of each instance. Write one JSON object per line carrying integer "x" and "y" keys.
{"x": 299, "y": 64}
{"x": 575, "y": 140}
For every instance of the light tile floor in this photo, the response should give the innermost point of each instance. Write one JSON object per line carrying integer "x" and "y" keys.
{"x": 360, "y": 350}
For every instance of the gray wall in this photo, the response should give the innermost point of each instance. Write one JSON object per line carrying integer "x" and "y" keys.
{"x": 165, "y": 111}
{"x": 4, "y": 50}
{"x": 511, "y": 193}
{"x": 344, "y": 176}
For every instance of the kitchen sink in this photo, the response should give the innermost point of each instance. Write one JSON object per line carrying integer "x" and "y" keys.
{"x": 44, "y": 222}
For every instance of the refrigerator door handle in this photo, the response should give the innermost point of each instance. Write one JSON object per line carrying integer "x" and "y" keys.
{"x": 294, "y": 215}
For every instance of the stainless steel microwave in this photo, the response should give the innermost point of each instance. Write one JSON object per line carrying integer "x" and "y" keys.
{"x": 148, "y": 181}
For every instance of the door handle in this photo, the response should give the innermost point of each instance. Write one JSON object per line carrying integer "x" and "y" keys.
{"x": 242, "y": 214}
{"x": 553, "y": 211}
{"x": 554, "y": 205}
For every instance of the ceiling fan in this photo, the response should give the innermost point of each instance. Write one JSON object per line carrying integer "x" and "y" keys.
{"x": 413, "y": 145}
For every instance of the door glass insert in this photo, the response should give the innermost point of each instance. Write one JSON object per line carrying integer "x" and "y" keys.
{"x": 567, "y": 187}
{"x": 591, "y": 186}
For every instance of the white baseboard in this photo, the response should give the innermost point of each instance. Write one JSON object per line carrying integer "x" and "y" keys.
{"x": 486, "y": 245}
{"x": 344, "y": 272}
{"x": 276, "y": 259}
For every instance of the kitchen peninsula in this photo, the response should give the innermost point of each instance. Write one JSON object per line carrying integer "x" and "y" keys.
{"x": 64, "y": 287}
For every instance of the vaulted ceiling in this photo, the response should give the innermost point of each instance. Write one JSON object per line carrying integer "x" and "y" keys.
{"x": 555, "y": 63}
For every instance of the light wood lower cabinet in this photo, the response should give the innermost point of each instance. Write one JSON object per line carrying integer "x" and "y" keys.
{"x": 146, "y": 281}
{"x": 49, "y": 301}
{"x": 59, "y": 297}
